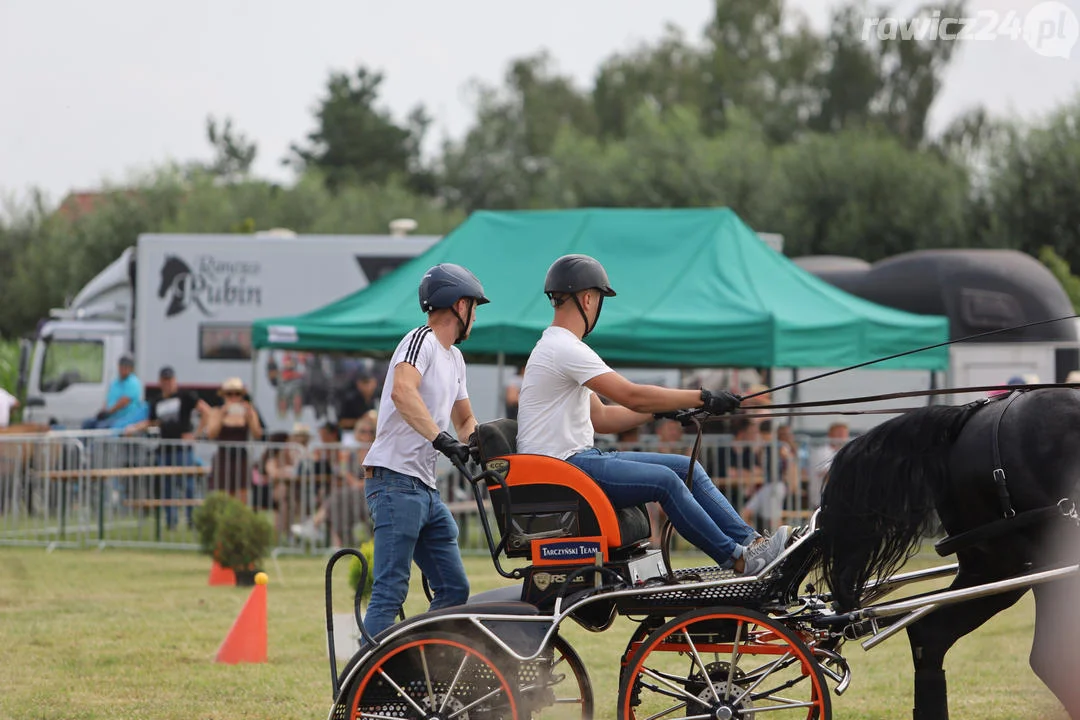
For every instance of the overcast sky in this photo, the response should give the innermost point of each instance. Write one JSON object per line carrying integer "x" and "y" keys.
{"x": 92, "y": 90}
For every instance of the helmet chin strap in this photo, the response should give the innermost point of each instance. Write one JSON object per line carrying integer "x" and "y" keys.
{"x": 464, "y": 327}
{"x": 599, "y": 307}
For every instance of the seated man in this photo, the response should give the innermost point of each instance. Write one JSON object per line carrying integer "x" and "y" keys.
{"x": 559, "y": 410}
{"x": 124, "y": 404}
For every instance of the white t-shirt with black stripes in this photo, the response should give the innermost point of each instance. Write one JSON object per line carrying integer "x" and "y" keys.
{"x": 397, "y": 446}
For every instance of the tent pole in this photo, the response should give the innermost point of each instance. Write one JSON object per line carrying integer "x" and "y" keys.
{"x": 500, "y": 396}
{"x": 795, "y": 396}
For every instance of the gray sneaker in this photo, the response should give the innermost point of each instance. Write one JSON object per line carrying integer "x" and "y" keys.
{"x": 760, "y": 555}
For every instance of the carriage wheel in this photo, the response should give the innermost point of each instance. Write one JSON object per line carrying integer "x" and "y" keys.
{"x": 433, "y": 676}
{"x": 723, "y": 663}
{"x": 567, "y": 693}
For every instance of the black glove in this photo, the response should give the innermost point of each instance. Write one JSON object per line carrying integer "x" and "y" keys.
{"x": 719, "y": 403}
{"x": 474, "y": 447}
{"x": 445, "y": 443}
{"x": 103, "y": 414}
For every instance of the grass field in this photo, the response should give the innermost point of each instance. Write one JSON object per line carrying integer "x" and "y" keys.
{"x": 126, "y": 634}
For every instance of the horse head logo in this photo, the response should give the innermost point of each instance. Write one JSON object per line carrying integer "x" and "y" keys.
{"x": 177, "y": 279}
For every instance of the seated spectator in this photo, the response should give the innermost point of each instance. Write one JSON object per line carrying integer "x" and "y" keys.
{"x": 821, "y": 457}
{"x": 741, "y": 464}
{"x": 766, "y": 504}
{"x": 124, "y": 402}
{"x": 513, "y": 391}
{"x": 359, "y": 401}
{"x": 346, "y": 506}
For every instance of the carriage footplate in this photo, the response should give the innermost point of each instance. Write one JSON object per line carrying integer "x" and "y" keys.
{"x": 698, "y": 587}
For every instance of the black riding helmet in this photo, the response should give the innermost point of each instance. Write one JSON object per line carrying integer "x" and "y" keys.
{"x": 445, "y": 284}
{"x": 571, "y": 274}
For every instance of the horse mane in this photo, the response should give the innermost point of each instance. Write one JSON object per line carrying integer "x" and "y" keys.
{"x": 879, "y": 495}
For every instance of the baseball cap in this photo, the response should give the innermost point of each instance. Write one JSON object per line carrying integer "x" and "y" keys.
{"x": 126, "y": 359}
{"x": 166, "y": 373}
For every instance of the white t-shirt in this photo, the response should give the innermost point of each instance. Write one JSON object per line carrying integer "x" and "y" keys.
{"x": 7, "y": 401}
{"x": 553, "y": 409}
{"x": 397, "y": 446}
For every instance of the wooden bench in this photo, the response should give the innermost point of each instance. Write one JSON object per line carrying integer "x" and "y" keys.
{"x": 147, "y": 503}
{"x": 129, "y": 472}
{"x": 145, "y": 471}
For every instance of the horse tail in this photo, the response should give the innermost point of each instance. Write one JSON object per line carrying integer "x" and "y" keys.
{"x": 879, "y": 495}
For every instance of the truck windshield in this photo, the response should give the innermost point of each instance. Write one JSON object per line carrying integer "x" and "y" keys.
{"x": 68, "y": 362}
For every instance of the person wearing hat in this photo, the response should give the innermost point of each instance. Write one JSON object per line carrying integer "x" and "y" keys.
{"x": 233, "y": 423}
{"x": 171, "y": 415}
{"x": 423, "y": 395}
{"x": 559, "y": 411}
{"x": 124, "y": 401}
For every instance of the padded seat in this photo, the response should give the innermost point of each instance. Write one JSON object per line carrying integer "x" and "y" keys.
{"x": 498, "y": 439}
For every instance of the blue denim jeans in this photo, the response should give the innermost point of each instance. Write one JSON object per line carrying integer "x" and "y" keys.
{"x": 169, "y": 487}
{"x": 704, "y": 517}
{"x": 412, "y": 523}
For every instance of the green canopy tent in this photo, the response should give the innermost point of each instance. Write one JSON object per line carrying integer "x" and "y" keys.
{"x": 696, "y": 288}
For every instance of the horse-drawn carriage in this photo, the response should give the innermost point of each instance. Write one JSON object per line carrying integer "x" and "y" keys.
{"x": 712, "y": 644}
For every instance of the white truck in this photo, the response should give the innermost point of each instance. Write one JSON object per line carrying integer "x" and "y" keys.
{"x": 188, "y": 301}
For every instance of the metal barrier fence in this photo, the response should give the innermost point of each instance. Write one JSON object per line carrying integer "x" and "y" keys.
{"x": 90, "y": 489}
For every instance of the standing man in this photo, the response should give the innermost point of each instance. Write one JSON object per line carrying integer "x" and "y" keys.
{"x": 424, "y": 392}
{"x": 171, "y": 415}
{"x": 560, "y": 410}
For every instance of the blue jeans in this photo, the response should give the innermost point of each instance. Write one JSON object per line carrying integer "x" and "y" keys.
{"x": 412, "y": 523}
{"x": 175, "y": 455}
{"x": 704, "y": 517}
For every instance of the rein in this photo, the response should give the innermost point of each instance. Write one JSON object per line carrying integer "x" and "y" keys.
{"x": 918, "y": 393}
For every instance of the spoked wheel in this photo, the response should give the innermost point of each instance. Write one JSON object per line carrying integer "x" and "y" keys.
{"x": 558, "y": 689}
{"x": 723, "y": 663}
{"x": 434, "y": 676}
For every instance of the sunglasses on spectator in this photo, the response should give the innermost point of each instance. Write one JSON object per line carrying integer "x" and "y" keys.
{"x": 232, "y": 393}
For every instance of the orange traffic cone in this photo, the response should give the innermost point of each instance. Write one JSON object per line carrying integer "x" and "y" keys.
{"x": 221, "y": 575}
{"x": 246, "y": 641}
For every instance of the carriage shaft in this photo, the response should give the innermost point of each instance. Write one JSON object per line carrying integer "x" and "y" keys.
{"x": 949, "y": 597}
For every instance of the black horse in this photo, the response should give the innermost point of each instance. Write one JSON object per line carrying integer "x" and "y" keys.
{"x": 880, "y": 501}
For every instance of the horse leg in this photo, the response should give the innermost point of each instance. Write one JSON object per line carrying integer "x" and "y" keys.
{"x": 1055, "y": 652}
{"x": 933, "y": 636}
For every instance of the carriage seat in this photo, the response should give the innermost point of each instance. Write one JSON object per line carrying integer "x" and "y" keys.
{"x": 552, "y": 498}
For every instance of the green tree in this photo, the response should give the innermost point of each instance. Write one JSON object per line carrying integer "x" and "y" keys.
{"x": 668, "y": 74}
{"x": 1061, "y": 270}
{"x": 233, "y": 151}
{"x": 665, "y": 160}
{"x": 500, "y": 161}
{"x": 866, "y": 195}
{"x": 763, "y": 58}
{"x": 357, "y": 142}
{"x": 1033, "y": 189}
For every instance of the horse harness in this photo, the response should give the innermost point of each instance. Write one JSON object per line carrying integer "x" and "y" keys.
{"x": 1010, "y": 520}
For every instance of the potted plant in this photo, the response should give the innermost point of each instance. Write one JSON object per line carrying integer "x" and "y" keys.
{"x": 207, "y": 517}
{"x": 242, "y": 540}
{"x": 234, "y": 535}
